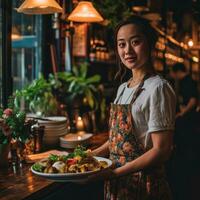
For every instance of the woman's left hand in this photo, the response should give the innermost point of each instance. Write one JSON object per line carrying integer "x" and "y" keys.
{"x": 99, "y": 176}
{"x": 102, "y": 175}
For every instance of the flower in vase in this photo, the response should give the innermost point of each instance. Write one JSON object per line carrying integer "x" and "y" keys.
{"x": 12, "y": 125}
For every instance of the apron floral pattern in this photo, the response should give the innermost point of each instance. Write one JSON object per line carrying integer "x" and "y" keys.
{"x": 124, "y": 147}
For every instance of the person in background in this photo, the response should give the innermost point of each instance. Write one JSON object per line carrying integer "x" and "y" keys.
{"x": 141, "y": 120}
{"x": 187, "y": 90}
{"x": 187, "y": 103}
{"x": 185, "y": 137}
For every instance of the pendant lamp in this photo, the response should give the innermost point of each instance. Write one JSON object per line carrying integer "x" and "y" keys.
{"x": 39, "y": 7}
{"x": 85, "y": 12}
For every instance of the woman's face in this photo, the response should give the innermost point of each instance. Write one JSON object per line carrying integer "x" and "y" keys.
{"x": 132, "y": 46}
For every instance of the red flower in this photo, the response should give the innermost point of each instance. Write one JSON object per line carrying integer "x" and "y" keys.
{"x": 8, "y": 112}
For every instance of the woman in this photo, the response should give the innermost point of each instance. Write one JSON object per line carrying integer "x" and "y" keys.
{"x": 141, "y": 120}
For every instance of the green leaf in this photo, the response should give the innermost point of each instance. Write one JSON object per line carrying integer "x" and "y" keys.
{"x": 37, "y": 167}
{"x": 93, "y": 79}
{"x": 53, "y": 157}
{"x": 72, "y": 85}
{"x": 90, "y": 98}
{"x": 75, "y": 71}
{"x": 83, "y": 70}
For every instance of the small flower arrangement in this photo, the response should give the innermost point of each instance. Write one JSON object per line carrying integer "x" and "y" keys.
{"x": 13, "y": 124}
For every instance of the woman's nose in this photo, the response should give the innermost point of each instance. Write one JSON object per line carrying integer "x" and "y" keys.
{"x": 129, "y": 49}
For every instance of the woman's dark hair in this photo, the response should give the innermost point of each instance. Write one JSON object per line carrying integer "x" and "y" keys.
{"x": 146, "y": 29}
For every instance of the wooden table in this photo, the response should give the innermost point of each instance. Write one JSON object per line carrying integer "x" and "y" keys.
{"x": 20, "y": 183}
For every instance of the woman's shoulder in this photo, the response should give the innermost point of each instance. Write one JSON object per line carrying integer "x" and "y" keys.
{"x": 158, "y": 86}
{"x": 156, "y": 81}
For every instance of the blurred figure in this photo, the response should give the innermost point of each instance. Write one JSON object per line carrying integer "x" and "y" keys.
{"x": 187, "y": 90}
{"x": 185, "y": 161}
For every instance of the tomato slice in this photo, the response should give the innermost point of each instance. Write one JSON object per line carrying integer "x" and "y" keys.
{"x": 71, "y": 161}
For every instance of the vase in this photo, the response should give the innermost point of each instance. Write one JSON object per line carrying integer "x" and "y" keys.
{"x": 4, "y": 151}
{"x": 17, "y": 149}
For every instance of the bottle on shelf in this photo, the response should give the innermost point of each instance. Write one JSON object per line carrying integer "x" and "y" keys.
{"x": 92, "y": 54}
{"x": 98, "y": 49}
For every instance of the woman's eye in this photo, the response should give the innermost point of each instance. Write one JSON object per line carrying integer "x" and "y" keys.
{"x": 135, "y": 42}
{"x": 121, "y": 44}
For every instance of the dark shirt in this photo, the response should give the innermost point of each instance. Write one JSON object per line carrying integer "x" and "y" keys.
{"x": 187, "y": 90}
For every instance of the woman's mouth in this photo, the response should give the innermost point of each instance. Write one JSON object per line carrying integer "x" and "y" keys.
{"x": 131, "y": 59}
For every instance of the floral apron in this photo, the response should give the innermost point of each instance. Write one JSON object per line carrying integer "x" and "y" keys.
{"x": 124, "y": 147}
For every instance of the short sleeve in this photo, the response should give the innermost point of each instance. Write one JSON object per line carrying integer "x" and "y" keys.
{"x": 162, "y": 108}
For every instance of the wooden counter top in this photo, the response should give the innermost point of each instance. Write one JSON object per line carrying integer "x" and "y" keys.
{"x": 18, "y": 184}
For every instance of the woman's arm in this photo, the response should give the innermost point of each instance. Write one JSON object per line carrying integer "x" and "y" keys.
{"x": 160, "y": 152}
{"x": 102, "y": 150}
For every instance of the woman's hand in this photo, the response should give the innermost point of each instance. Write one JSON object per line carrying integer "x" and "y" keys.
{"x": 102, "y": 151}
{"x": 103, "y": 175}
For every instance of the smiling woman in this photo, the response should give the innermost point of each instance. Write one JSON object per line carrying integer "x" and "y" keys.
{"x": 141, "y": 120}
{"x": 132, "y": 46}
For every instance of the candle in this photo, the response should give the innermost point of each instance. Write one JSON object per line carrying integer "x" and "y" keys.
{"x": 79, "y": 124}
{"x": 79, "y": 137}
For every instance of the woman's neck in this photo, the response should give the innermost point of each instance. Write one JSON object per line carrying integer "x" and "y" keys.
{"x": 138, "y": 73}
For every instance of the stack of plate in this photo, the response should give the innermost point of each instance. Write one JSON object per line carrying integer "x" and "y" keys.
{"x": 72, "y": 140}
{"x": 55, "y": 127}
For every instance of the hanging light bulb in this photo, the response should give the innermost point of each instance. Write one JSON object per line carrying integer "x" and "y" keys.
{"x": 39, "y": 7}
{"x": 85, "y": 12}
{"x": 190, "y": 43}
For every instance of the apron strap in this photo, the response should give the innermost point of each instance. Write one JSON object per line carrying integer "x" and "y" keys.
{"x": 120, "y": 95}
{"x": 139, "y": 89}
{"x": 140, "y": 148}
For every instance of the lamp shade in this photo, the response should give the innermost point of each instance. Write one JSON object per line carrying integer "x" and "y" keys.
{"x": 85, "y": 12}
{"x": 39, "y": 7}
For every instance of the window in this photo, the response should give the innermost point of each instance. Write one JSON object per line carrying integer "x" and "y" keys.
{"x": 26, "y": 48}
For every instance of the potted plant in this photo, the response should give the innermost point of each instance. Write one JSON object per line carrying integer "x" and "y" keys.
{"x": 38, "y": 98}
{"x": 76, "y": 87}
{"x": 79, "y": 92}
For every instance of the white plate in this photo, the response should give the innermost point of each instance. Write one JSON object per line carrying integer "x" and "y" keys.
{"x": 72, "y": 137}
{"x": 72, "y": 141}
{"x": 55, "y": 128}
{"x": 71, "y": 177}
{"x": 56, "y": 133}
{"x": 53, "y": 120}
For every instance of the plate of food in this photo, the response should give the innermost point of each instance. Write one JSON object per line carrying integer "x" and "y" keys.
{"x": 73, "y": 167}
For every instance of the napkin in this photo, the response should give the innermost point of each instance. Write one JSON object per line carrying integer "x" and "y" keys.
{"x": 36, "y": 157}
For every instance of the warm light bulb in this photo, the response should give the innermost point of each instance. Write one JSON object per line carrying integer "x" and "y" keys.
{"x": 190, "y": 43}
{"x": 79, "y": 137}
{"x": 79, "y": 124}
